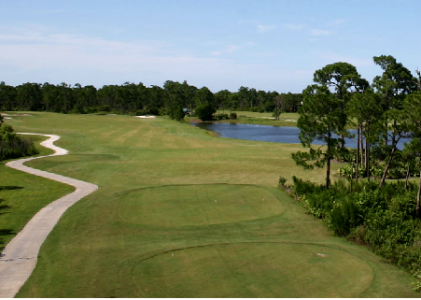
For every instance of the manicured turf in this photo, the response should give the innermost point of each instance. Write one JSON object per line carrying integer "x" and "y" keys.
{"x": 180, "y": 213}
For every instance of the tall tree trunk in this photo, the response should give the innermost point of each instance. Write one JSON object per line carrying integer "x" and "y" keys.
{"x": 328, "y": 174}
{"x": 329, "y": 147}
{"x": 417, "y": 209}
{"x": 361, "y": 149}
{"x": 407, "y": 174}
{"x": 358, "y": 154}
{"x": 367, "y": 156}
{"x": 387, "y": 166}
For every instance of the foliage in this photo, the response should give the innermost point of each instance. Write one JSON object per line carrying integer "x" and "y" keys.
{"x": 13, "y": 146}
{"x": 205, "y": 112}
{"x": 176, "y": 113}
{"x": 384, "y": 219}
{"x": 281, "y": 181}
{"x": 221, "y": 116}
{"x": 320, "y": 118}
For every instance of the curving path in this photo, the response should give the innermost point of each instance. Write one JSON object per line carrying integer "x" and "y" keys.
{"x": 19, "y": 257}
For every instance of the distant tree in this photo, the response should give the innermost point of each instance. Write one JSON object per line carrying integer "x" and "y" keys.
{"x": 365, "y": 108}
{"x": 176, "y": 113}
{"x": 344, "y": 79}
{"x": 204, "y": 96}
{"x": 222, "y": 99}
{"x": 393, "y": 85}
{"x": 205, "y": 112}
{"x": 8, "y": 96}
{"x": 278, "y": 100}
{"x": 320, "y": 118}
{"x": 291, "y": 102}
{"x": 29, "y": 96}
{"x": 243, "y": 96}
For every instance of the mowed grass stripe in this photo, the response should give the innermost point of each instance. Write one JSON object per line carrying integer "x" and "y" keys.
{"x": 104, "y": 244}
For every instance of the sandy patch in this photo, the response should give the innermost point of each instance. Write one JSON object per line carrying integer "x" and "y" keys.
{"x": 145, "y": 117}
{"x": 20, "y": 115}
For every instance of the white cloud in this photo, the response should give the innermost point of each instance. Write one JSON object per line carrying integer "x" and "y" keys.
{"x": 294, "y": 26}
{"x": 317, "y": 32}
{"x": 254, "y": 22}
{"x": 338, "y": 21}
{"x": 264, "y": 28}
{"x": 229, "y": 49}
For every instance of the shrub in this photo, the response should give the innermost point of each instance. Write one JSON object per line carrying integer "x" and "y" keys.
{"x": 13, "y": 146}
{"x": 383, "y": 219}
{"x": 345, "y": 216}
{"x": 152, "y": 111}
{"x": 233, "y": 116}
{"x": 176, "y": 113}
{"x": 205, "y": 112}
{"x": 222, "y": 116}
{"x": 282, "y": 181}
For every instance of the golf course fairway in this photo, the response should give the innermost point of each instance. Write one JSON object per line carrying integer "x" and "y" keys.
{"x": 182, "y": 213}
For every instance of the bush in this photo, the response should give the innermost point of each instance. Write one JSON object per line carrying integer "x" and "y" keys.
{"x": 345, "y": 155}
{"x": 233, "y": 116}
{"x": 345, "y": 216}
{"x": 13, "y": 146}
{"x": 176, "y": 113}
{"x": 383, "y": 219}
{"x": 205, "y": 112}
{"x": 222, "y": 116}
{"x": 152, "y": 111}
{"x": 282, "y": 181}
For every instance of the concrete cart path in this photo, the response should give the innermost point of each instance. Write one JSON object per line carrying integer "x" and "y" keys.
{"x": 19, "y": 257}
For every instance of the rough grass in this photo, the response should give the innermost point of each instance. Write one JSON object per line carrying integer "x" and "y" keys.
{"x": 153, "y": 229}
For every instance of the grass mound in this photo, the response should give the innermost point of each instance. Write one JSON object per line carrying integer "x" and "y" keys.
{"x": 197, "y": 205}
{"x": 254, "y": 270}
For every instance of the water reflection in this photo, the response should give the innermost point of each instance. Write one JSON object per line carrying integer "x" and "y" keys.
{"x": 267, "y": 133}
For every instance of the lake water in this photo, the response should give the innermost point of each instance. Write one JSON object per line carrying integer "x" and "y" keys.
{"x": 267, "y": 133}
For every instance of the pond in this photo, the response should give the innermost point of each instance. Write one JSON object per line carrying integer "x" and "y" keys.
{"x": 267, "y": 133}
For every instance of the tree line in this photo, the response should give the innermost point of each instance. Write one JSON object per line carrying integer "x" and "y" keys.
{"x": 384, "y": 112}
{"x": 131, "y": 98}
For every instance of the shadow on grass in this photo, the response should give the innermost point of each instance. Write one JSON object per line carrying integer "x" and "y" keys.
{"x": 4, "y": 232}
{"x": 3, "y": 206}
{"x": 10, "y": 187}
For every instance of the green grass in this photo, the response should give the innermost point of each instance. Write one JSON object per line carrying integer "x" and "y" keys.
{"x": 180, "y": 213}
{"x": 24, "y": 195}
{"x": 249, "y": 117}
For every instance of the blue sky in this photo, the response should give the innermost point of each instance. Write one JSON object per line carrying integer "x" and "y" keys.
{"x": 268, "y": 45}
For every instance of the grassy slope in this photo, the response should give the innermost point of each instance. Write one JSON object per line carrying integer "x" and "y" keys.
{"x": 179, "y": 208}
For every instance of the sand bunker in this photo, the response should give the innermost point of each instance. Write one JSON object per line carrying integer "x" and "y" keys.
{"x": 145, "y": 117}
{"x": 19, "y": 115}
